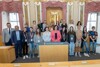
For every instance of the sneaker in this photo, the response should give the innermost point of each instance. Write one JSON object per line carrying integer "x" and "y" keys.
{"x": 75, "y": 54}
{"x": 26, "y": 56}
{"x": 79, "y": 54}
{"x": 23, "y": 57}
{"x": 87, "y": 55}
{"x": 84, "y": 54}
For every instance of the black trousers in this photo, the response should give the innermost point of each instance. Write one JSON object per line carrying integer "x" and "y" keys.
{"x": 18, "y": 49}
{"x": 9, "y": 43}
{"x": 25, "y": 48}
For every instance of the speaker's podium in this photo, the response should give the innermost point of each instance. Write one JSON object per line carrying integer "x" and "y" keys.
{"x": 53, "y": 52}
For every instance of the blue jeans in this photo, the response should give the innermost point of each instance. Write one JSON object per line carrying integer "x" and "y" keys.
{"x": 86, "y": 46}
{"x": 93, "y": 46}
{"x": 31, "y": 50}
{"x": 71, "y": 48}
{"x": 37, "y": 48}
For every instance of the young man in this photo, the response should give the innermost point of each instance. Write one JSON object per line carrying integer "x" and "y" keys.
{"x": 93, "y": 38}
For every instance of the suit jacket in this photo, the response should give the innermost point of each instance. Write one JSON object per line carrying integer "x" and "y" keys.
{"x": 40, "y": 26}
{"x": 14, "y": 37}
{"x": 5, "y": 34}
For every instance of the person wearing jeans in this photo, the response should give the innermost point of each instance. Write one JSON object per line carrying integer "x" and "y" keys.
{"x": 38, "y": 41}
{"x": 71, "y": 41}
{"x": 85, "y": 44}
{"x": 31, "y": 43}
{"x": 93, "y": 38}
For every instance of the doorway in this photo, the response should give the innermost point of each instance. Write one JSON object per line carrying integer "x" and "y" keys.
{"x": 53, "y": 14}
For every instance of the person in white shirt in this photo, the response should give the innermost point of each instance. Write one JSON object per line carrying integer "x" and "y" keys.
{"x": 46, "y": 35}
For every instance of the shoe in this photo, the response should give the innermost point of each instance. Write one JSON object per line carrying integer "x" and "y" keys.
{"x": 76, "y": 54}
{"x": 26, "y": 56}
{"x": 79, "y": 54}
{"x": 23, "y": 57}
{"x": 94, "y": 53}
{"x": 87, "y": 55}
{"x": 33, "y": 57}
{"x": 84, "y": 54}
{"x": 38, "y": 56}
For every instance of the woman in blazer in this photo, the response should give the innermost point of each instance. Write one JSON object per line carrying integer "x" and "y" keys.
{"x": 55, "y": 35}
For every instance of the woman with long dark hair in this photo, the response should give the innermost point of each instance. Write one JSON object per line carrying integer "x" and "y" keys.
{"x": 38, "y": 40}
{"x": 31, "y": 42}
{"x": 64, "y": 34}
{"x": 71, "y": 40}
{"x": 85, "y": 44}
{"x": 55, "y": 35}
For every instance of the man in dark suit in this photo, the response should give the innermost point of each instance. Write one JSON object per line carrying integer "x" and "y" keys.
{"x": 17, "y": 38}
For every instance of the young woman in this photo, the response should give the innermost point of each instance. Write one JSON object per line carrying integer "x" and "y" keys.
{"x": 25, "y": 45}
{"x": 64, "y": 35}
{"x": 46, "y": 35}
{"x": 71, "y": 41}
{"x": 78, "y": 39}
{"x": 31, "y": 43}
{"x": 55, "y": 35}
{"x": 85, "y": 44}
{"x": 38, "y": 41}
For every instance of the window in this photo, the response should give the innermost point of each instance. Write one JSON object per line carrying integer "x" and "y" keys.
{"x": 92, "y": 20}
{"x": 14, "y": 19}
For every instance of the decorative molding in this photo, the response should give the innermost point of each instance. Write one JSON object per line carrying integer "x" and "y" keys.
{"x": 55, "y": 4}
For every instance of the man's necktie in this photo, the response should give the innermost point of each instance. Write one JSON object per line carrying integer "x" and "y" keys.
{"x": 9, "y": 30}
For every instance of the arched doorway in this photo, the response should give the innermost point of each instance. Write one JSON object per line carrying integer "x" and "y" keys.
{"x": 53, "y": 14}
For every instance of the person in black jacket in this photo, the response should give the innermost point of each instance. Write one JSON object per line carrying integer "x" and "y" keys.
{"x": 71, "y": 41}
{"x": 25, "y": 45}
{"x": 64, "y": 35}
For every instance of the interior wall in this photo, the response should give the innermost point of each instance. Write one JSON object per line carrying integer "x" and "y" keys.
{"x": 98, "y": 29}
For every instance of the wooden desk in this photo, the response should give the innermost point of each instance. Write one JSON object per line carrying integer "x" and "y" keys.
{"x": 22, "y": 65}
{"x": 7, "y": 54}
{"x": 53, "y": 53}
{"x": 90, "y": 63}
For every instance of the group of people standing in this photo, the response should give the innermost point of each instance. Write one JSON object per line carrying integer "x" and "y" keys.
{"x": 27, "y": 42}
